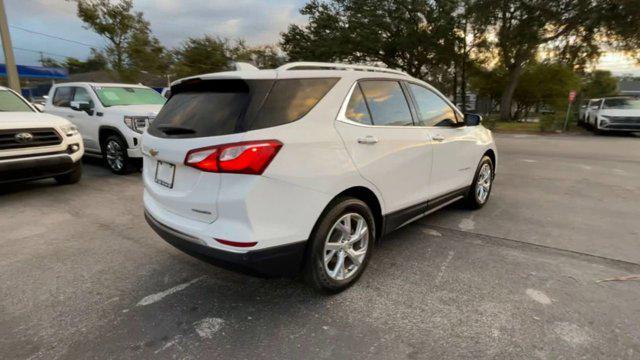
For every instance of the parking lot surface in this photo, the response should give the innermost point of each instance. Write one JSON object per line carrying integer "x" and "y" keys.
{"x": 83, "y": 276}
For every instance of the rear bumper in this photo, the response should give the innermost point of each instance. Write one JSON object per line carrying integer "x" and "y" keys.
{"x": 284, "y": 260}
{"x": 37, "y": 167}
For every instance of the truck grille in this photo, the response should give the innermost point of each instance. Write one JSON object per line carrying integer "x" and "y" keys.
{"x": 625, "y": 119}
{"x": 27, "y": 138}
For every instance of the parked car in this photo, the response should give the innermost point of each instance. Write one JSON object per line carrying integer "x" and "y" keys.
{"x": 592, "y": 108}
{"x": 616, "y": 114}
{"x": 111, "y": 118}
{"x": 34, "y": 145}
{"x": 307, "y": 166}
{"x": 582, "y": 111}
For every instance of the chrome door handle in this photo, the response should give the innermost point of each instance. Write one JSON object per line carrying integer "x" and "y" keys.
{"x": 70, "y": 116}
{"x": 368, "y": 140}
{"x": 438, "y": 138}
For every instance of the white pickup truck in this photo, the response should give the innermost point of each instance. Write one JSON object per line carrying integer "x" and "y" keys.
{"x": 110, "y": 117}
{"x": 34, "y": 145}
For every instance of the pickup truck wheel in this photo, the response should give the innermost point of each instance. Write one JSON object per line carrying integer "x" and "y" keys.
{"x": 72, "y": 177}
{"x": 482, "y": 183}
{"x": 114, "y": 152}
{"x": 340, "y": 246}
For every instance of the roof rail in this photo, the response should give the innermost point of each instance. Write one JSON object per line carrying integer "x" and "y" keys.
{"x": 336, "y": 66}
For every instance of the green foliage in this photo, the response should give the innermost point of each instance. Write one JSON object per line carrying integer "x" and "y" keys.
{"x": 132, "y": 47}
{"x": 423, "y": 38}
{"x": 599, "y": 83}
{"x": 551, "y": 122}
{"x": 97, "y": 61}
{"x": 545, "y": 83}
{"x": 203, "y": 55}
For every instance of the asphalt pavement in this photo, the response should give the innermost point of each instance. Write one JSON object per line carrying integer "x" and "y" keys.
{"x": 83, "y": 276}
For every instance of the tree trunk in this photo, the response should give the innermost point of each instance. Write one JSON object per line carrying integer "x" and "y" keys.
{"x": 507, "y": 96}
{"x": 454, "y": 90}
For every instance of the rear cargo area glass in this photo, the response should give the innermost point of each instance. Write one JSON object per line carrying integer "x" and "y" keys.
{"x": 202, "y": 108}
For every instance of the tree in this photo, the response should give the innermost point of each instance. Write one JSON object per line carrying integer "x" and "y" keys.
{"x": 49, "y": 62}
{"x": 418, "y": 37}
{"x": 572, "y": 27}
{"x": 132, "y": 48}
{"x": 145, "y": 55}
{"x": 599, "y": 83}
{"x": 96, "y": 61}
{"x": 203, "y": 55}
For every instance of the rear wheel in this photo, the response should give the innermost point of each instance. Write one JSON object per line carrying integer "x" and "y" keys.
{"x": 483, "y": 181}
{"x": 114, "y": 152}
{"x": 341, "y": 246}
{"x": 72, "y": 177}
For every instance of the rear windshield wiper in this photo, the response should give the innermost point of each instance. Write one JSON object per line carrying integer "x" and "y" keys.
{"x": 175, "y": 130}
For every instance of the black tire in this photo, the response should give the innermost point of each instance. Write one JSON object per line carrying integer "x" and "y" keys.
{"x": 114, "y": 153}
{"x": 71, "y": 177}
{"x": 315, "y": 272}
{"x": 473, "y": 199}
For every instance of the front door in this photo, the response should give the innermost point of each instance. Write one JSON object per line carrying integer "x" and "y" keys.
{"x": 452, "y": 141}
{"x": 387, "y": 149}
{"x": 87, "y": 123}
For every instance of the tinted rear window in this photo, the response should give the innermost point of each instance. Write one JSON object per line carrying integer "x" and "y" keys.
{"x": 221, "y": 107}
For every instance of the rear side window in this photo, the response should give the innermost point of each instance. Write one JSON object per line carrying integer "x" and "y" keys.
{"x": 387, "y": 103}
{"x": 290, "y": 100}
{"x": 357, "y": 108}
{"x": 62, "y": 97}
{"x": 220, "y": 107}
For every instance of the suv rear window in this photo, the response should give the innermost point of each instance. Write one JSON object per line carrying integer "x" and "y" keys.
{"x": 219, "y": 107}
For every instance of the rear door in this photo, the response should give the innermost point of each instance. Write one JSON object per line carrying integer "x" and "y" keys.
{"x": 453, "y": 142}
{"x": 387, "y": 149}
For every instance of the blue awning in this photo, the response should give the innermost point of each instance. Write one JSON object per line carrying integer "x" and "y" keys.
{"x": 37, "y": 72}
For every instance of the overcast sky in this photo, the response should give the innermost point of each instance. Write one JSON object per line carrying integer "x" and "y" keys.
{"x": 172, "y": 21}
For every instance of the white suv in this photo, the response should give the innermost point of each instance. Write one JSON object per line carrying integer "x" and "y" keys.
{"x": 35, "y": 145}
{"x": 306, "y": 166}
{"x": 111, "y": 118}
{"x": 615, "y": 114}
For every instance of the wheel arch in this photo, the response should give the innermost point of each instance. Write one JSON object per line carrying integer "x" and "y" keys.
{"x": 359, "y": 192}
{"x": 105, "y": 131}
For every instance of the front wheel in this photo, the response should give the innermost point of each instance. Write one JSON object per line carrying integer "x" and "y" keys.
{"x": 115, "y": 155}
{"x": 341, "y": 246}
{"x": 482, "y": 182}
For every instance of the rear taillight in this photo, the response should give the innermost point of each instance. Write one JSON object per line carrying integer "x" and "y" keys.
{"x": 251, "y": 157}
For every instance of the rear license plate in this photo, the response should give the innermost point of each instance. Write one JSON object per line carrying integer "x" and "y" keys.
{"x": 165, "y": 174}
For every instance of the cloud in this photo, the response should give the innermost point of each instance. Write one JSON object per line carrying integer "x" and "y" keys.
{"x": 172, "y": 21}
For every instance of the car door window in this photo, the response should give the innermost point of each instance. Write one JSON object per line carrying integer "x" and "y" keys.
{"x": 82, "y": 95}
{"x": 387, "y": 103}
{"x": 357, "y": 108}
{"x": 432, "y": 109}
{"x": 63, "y": 96}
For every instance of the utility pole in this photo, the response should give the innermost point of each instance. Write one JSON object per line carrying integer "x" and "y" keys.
{"x": 7, "y": 47}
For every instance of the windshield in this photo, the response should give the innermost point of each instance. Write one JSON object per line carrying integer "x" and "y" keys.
{"x": 114, "y": 96}
{"x": 12, "y": 102}
{"x": 621, "y": 103}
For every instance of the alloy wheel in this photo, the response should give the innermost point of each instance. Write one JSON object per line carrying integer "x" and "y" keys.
{"x": 345, "y": 247}
{"x": 483, "y": 185}
{"x": 115, "y": 155}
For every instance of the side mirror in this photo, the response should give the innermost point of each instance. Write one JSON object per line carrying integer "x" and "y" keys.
{"x": 82, "y": 106}
{"x": 596, "y": 107}
{"x": 472, "y": 119}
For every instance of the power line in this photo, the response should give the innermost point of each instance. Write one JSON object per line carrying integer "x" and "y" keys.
{"x": 52, "y": 36}
{"x": 41, "y": 52}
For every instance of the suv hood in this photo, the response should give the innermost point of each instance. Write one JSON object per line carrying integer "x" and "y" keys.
{"x": 620, "y": 112}
{"x": 135, "y": 110}
{"x": 25, "y": 120}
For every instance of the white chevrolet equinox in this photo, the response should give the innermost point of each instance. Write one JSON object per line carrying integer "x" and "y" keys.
{"x": 307, "y": 166}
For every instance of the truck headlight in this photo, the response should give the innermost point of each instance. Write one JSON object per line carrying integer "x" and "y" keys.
{"x": 70, "y": 130}
{"x": 137, "y": 123}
